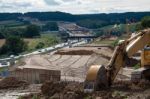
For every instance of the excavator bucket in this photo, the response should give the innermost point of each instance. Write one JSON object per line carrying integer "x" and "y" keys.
{"x": 96, "y": 78}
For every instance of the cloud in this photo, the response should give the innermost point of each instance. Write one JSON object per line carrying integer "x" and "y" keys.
{"x": 51, "y": 2}
{"x": 4, "y": 4}
{"x": 75, "y": 6}
{"x": 68, "y": 0}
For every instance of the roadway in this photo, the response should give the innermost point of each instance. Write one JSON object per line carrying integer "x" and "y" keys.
{"x": 6, "y": 61}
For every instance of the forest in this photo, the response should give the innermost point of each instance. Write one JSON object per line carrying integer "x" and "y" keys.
{"x": 93, "y": 20}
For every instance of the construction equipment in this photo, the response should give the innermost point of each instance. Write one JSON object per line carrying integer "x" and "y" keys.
{"x": 99, "y": 76}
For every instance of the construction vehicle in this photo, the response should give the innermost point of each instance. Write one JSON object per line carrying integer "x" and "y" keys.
{"x": 99, "y": 76}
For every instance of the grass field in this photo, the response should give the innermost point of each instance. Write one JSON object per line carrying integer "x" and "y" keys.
{"x": 121, "y": 27}
{"x": 108, "y": 42}
{"x": 46, "y": 39}
{"x": 29, "y": 41}
{"x": 7, "y": 22}
{"x": 12, "y": 24}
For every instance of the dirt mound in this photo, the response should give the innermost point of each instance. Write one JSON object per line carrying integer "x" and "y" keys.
{"x": 49, "y": 88}
{"x": 11, "y": 82}
{"x": 32, "y": 96}
{"x": 75, "y": 52}
{"x": 74, "y": 90}
{"x": 108, "y": 94}
{"x": 128, "y": 85}
{"x": 73, "y": 87}
{"x": 63, "y": 89}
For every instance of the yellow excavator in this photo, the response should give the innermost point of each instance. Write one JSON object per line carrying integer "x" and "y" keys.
{"x": 99, "y": 76}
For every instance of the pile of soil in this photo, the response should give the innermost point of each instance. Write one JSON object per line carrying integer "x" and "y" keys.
{"x": 11, "y": 82}
{"x": 134, "y": 86}
{"x": 49, "y": 88}
{"x": 62, "y": 89}
{"x": 74, "y": 90}
{"x": 73, "y": 87}
{"x": 33, "y": 96}
{"x": 75, "y": 52}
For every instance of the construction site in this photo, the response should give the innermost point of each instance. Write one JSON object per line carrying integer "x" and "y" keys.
{"x": 75, "y": 49}
{"x": 73, "y": 63}
{"x": 88, "y": 71}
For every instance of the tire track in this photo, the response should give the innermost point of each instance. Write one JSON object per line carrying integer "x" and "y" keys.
{"x": 64, "y": 60}
{"x": 57, "y": 58}
{"x": 66, "y": 69}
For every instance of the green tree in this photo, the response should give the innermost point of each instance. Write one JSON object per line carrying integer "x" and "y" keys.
{"x": 93, "y": 24}
{"x": 100, "y": 33}
{"x": 145, "y": 22}
{"x": 1, "y": 36}
{"x": 64, "y": 36}
{"x": 52, "y": 26}
{"x": 5, "y": 32}
{"x": 138, "y": 27}
{"x": 13, "y": 45}
{"x": 40, "y": 45}
{"x": 32, "y": 31}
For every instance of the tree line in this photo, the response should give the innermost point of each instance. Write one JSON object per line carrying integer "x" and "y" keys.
{"x": 101, "y": 19}
{"x": 30, "y": 31}
{"x": 144, "y": 23}
{"x": 14, "y": 38}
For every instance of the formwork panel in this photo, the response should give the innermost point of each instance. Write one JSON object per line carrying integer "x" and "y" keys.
{"x": 36, "y": 75}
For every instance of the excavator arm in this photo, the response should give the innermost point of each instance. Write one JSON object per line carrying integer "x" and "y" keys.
{"x": 122, "y": 52}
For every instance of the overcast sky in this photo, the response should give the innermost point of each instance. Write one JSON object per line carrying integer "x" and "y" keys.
{"x": 75, "y": 6}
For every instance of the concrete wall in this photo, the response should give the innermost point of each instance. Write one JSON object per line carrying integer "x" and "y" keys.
{"x": 36, "y": 75}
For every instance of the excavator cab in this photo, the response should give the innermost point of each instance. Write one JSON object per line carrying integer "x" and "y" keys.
{"x": 145, "y": 62}
{"x": 145, "y": 57}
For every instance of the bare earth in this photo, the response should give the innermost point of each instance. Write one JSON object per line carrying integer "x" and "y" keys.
{"x": 72, "y": 67}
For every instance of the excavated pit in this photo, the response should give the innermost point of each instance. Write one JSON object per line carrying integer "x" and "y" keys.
{"x": 75, "y": 52}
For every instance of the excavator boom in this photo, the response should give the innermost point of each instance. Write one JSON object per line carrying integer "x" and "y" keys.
{"x": 122, "y": 52}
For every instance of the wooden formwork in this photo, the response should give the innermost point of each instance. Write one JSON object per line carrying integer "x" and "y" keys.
{"x": 36, "y": 75}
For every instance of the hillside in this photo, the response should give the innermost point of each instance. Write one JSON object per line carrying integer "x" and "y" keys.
{"x": 102, "y": 19}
